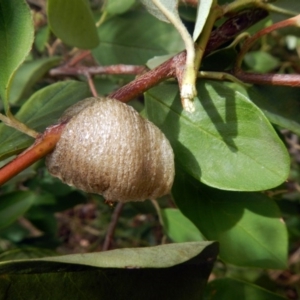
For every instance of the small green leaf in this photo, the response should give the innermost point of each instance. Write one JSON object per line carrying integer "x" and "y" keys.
{"x": 16, "y": 36}
{"x": 178, "y": 227}
{"x": 226, "y": 143}
{"x": 14, "y": 205}
{"x": 158, "y": 60}
{"x": 170, "y": 5}
{"x": 143, "y": 273}
{"x": 248, "y": 226}
{"x": 41, "y": 110}
{"x": 72, "y": 22}
{"x": 229, "y": 288}
{"x": 261, "y": 62}
{"x": 41, "y": 38}
{"x": 27, "y": 75}
{"x": 135, "y": 38}
{"x": 202, "y": 14}
{"x": 115, "y": 7}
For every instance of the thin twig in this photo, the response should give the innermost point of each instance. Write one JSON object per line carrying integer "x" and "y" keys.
{"x": 295, "y": 21}
{"x": 79, "y": 57}
{"x": 112, "y": 226}
{"x": 291, "y": 80}
{"x": 98, "y": 70}
{"x": 91, "y": 85}
{"x": 16, "y": 124}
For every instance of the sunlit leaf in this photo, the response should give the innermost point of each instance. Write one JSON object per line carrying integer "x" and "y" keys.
{"x": 279, "y": 103}
{"x": 16, "y": 36}
{"x": 226, "y": 143}
{"x": 202, "y": 14}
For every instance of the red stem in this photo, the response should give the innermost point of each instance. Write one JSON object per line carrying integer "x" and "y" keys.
{"x": 250, "y": 41}
{"x": 42, "y": 146}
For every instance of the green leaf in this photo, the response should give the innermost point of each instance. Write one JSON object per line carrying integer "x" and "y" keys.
{"x": 143, "y": 273}
{"x": 170, "y": 5}
{"x": 114, "y": 7}
{"x": 135, "y": 38}
{"x": 27, "y": 75}
{"x": 228, "y": 288}
{"x": 248, "y": 226}
{"x": 41, "y": 38}
{"x": 202, "y": 14}
{"x": 72, "y": 22}
{"x": 25, "y": 253}
{"x": 16, "y": 36}
{"x": 41, "y": 110}
{"x": 178, "y": 227}
{"x": 226, "y": 143}
{"x": 279, "y": 104}
{"x": 14, "y": 205}
{"x": 261, "y": 62}
{"x": 155, "y": 61}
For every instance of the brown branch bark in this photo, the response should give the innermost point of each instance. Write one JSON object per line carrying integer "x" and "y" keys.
{"x": 292, "y": 80}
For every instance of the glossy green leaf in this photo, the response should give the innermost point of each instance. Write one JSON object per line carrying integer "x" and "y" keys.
{"x": 135, "y": 38}
{"x": 140, "y": 273}
{"x": 16, "y": 36}
{"x": 229, "y": 288}
{"x": 248, "y": 226}
{"x": 261, "y": 62}
{"x": 27, "y": 75}
{"x": 41, "y": 110}
{"x": 170, "y": 5}
{"x": 226, "y": 143}
{"x": 114, "y": 7}
{"x": 73, "y": 22}
{"x": 178, "y": 227}
{"x": 280, "y": 104}
{"x": 14, "y": 205}
{"x": 202, "y": 14}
